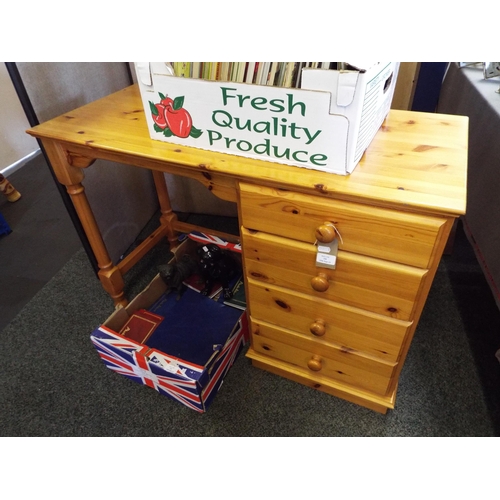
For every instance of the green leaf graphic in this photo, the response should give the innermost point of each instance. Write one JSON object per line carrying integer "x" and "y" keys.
{"x": 195, "y": 132}
{"x": 178, "y": 102}
{"x": 157, "y": 129}
{"x": 167, "y": 132}
{"x": 161, "y": 95}
{"x": 153, "y": 108}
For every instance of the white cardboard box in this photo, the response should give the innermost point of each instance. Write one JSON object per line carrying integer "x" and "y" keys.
{"x": 326, "y": 125}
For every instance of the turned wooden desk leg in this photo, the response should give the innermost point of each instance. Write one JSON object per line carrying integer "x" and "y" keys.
{"x": 110, "y": 276}
{"x": 168, "y": 217}
{"x": 72, "y": 176}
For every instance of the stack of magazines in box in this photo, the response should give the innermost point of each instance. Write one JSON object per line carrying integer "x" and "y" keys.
{"x": 278, "y": 74}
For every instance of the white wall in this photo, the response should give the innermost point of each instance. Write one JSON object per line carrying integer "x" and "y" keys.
{"x": 15, "y": 143}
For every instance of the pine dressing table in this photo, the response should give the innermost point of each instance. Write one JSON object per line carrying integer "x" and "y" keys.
{"x": 345, "y": 331}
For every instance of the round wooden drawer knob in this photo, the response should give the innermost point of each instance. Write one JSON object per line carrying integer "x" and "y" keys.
{"x": 320, "y": 282}
{"x": 318, "y": 328}
{"x": 314, "y": 363}
{"x": 325, "y": 233}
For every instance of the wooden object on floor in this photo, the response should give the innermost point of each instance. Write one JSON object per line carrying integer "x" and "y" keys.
{"x": 345, "y": 331}
{"x": 8, "y": 190}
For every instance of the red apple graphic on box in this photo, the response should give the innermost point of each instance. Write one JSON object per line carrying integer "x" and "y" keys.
{"x": 171, "y": 118}
{"x": 159, "y": 116}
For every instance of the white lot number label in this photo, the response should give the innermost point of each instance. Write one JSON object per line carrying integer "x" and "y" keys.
{"x": 326, "y": 255}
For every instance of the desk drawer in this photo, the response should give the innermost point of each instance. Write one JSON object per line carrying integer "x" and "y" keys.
{"x": 377, "y": 232}
{"x": 333, "y": 323}
{"x": 371, "y": 284}
{"x": 341, "y": 365}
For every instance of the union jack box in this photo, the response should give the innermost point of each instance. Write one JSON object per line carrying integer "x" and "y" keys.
{"x": 190, "y": 367}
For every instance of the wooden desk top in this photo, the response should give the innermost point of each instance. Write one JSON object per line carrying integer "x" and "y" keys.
{"x": 417, "y": 161}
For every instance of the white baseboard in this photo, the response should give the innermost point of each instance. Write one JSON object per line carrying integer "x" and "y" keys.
{"x": 10, "y": 169}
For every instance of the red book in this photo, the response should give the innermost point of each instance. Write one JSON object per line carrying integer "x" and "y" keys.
{"x": 197, "y": 283}
{"x": 141, "y": 325}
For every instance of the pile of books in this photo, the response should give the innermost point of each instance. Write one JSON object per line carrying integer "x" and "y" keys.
{"x": 236, "y": 285}
{"x": 193, "y": 325}
{"x": 277, "y": 74}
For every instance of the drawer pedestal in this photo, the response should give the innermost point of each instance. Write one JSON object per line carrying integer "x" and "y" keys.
{"x": 345, "y": 329}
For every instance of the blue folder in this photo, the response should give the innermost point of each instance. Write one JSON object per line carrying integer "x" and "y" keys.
{"x": 194, "y": 327}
